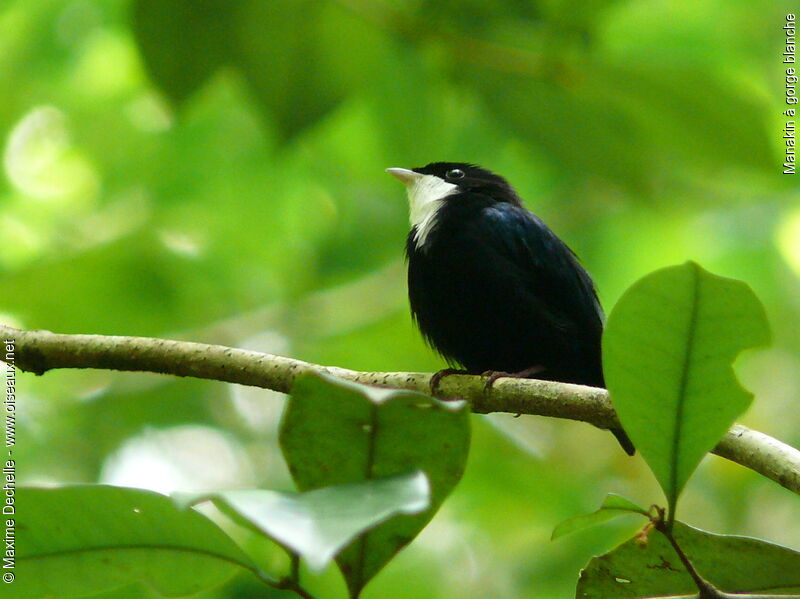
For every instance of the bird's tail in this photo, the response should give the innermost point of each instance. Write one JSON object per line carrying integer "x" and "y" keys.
{"x": 624, "y": 440}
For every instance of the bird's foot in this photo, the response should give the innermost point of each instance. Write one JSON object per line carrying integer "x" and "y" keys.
{"x": 437, "y": 378}
{"x": 493, "y": 375}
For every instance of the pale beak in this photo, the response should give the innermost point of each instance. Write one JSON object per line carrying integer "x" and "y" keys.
{"x": 405, "y": 175}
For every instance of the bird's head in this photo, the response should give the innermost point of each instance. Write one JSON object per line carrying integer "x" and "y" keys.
{"x": 431, "y": 185}
{"x": 452, "y": 177}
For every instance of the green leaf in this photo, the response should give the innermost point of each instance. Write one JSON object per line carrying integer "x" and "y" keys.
{"x": 300, "y": 58}
{"x": 335, "y": 433}
{"x": 613, "y": 506}
{"x": 733, "y": 564}
{"x": 183, "y": 42}
{"x": 295, "y": 90}
{"x": 317, "y": 524}
{"x": 667, "y": 354}
{"x": 78, "y": 540}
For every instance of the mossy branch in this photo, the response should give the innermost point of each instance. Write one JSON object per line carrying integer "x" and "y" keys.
{"x": 40, "y": 351}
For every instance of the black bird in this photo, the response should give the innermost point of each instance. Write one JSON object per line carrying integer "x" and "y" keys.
{"x": 491, "y": 287}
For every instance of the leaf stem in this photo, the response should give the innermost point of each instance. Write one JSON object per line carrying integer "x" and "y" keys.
{"x": 677, "y": 433}
{"x": 287, "y": 583}
{"x": 294, "y": 573}
{"x": 705, "y": 588}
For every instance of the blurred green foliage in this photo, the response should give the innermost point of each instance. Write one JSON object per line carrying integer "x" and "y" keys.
{"x": 214, "y": 171}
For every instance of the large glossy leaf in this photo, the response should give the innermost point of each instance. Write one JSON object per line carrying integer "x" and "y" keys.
{"x": 668, "y": 350}
{"x": 317, "y": 524}
{"x": 73, "y": 541}
{"x": 733, "y": 564}
{"x": 335, "y": 432}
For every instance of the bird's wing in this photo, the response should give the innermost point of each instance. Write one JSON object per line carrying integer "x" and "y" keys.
{"x": 548, "y": 266}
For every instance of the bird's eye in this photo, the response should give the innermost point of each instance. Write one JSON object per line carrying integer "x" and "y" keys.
{"x": 455, "y": 173}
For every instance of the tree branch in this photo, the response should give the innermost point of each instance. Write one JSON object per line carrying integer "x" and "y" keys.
{"x": 40, "y": 351}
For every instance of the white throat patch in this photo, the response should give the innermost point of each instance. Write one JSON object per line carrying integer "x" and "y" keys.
{"x": 425, "y": 196}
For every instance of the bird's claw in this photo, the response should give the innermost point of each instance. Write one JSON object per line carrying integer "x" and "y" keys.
{"x": 493, "y": 375}
{"x": 437, "y": 378}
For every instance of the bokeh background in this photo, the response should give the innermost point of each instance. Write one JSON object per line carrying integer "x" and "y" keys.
{"x": 213, "y": 171}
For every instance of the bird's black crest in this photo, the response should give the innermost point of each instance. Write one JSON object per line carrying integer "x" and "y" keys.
{"x": 476, "y": 178}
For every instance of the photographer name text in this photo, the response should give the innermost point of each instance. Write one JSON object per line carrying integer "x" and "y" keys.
{"x": 9, "y": 475}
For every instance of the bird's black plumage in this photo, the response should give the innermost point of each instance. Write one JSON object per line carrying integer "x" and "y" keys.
{"x": 491, "y": 287}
